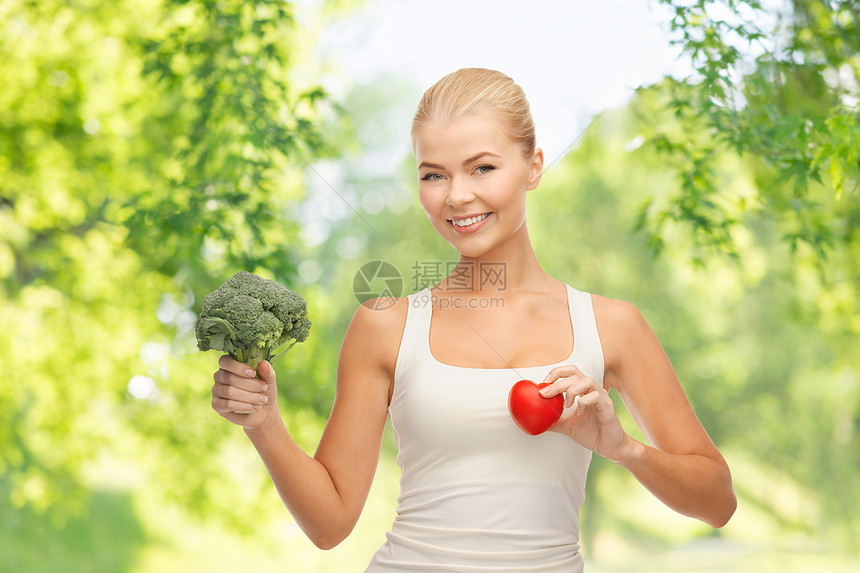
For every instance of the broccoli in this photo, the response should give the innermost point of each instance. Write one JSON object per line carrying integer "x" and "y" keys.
{"x": 251, "y": 318}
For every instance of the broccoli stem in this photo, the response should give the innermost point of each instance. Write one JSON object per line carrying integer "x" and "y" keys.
{"x": 251, "y": 356}
{"x": 280, "y": 354}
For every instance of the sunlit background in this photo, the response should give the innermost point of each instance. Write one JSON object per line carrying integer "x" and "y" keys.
{"x": 149, "y": 149}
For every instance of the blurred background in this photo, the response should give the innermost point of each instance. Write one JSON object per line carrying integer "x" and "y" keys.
{"x": 702, "y": 162}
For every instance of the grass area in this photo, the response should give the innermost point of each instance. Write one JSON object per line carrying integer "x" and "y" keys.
{"x": 728, "y": 557}
{"x": 107, "y": 536}
{"x": 772, "y": 530}
{"x": 178, "y": 544}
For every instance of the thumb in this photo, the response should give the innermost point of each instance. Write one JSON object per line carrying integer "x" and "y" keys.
{"x": 266, "y": 372}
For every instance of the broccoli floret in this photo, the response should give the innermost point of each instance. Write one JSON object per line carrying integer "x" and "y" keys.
{"x": 250, "y": 318}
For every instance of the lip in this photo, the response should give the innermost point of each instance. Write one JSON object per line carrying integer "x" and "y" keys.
{"x": 473, "y": 227}
{"x": 468, "y": 216}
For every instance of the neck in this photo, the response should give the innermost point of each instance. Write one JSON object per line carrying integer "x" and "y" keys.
{"x": 509, "y": 269}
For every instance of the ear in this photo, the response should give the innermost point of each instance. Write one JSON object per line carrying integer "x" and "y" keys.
{"x": 535, "y": 168}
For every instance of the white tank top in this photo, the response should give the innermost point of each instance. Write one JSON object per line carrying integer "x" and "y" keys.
{"x": 476, "y": 492}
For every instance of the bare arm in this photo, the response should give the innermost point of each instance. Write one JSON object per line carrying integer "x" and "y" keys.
{"x": 326, "y": 493}
{"x": 682, "y": 467}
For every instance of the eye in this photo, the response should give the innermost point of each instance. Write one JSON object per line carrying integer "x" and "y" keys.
{"x": 432, "y": 177}
{"x": 484, "y": 168}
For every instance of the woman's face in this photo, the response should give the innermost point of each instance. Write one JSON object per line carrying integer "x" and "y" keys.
{"x": 472, "y": 181}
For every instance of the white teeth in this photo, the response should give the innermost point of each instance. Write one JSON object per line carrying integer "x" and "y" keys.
{"x": 470, "y": 220}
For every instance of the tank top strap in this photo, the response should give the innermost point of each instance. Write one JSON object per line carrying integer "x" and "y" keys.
{"x": 417, "y": 325}
{"x": 587, "y": 347}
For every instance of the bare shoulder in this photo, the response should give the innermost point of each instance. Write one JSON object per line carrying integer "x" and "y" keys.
{"x": 623, "y": 331}
{"x": 381, "y": 312}
{"x": 614, "y": 315}
{"x": 375, "y": 331}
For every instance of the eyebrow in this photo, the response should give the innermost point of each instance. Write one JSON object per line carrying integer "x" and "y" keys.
{"x": 465, "y": 163}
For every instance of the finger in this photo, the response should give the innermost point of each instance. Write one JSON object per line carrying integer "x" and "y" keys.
{"x": 230, "y": 364}
{"x": 266, "y": 372}
{"x": 572, "y": 382}
{"x": 561, "y": 372}
{"x": 576, "y": 389}
{"x": 235, "y": 394}
{"x": 578, "y": 386}
{"x": 600, "y": 402}
{"x": 227, "y": 407}
{"x": 571, "y": 399}
{"x": 248, "y": 384}
{"x": 557, "y": 387}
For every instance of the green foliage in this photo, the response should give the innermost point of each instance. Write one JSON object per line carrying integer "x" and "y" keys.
{"x": 229, "y": 122}
{"x": 148, "y": 150}
{"x": 780, "y": 90}
{"x": 251, "y": 318}
{"x": 763, "y": 144}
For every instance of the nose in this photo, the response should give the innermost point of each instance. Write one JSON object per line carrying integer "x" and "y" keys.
{"x": 459, "y": 193}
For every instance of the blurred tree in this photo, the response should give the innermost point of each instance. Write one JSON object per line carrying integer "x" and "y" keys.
{"x": 148, "y": 150}
{"x": 229, "y": 123}
{"x": 775, "y": 96}
{"x": 779, "y": 86}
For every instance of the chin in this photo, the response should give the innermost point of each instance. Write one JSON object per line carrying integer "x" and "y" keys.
{"x": 470, "y": 246}
{"x": 470, "y": 251}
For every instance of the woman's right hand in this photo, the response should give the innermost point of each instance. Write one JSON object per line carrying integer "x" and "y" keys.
{"x": 238, "y": 389}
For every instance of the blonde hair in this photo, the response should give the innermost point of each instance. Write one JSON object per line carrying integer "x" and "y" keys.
{"x": 478, "y": 91}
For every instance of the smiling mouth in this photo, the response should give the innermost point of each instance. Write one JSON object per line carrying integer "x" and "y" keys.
{"x": 469, "y": 221}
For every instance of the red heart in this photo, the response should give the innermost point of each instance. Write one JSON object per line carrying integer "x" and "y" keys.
{"x": 533, "y": 413}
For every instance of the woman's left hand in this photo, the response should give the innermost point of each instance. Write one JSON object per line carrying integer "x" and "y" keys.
{"x": 589, "y": 415}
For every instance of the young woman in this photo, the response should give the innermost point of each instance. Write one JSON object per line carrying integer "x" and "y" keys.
{"x": 477, "y": 493}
